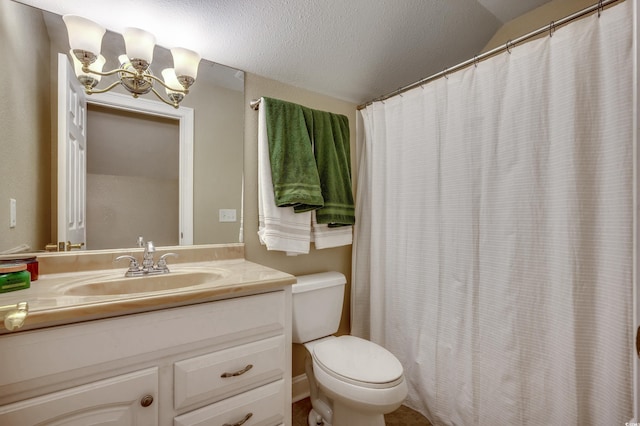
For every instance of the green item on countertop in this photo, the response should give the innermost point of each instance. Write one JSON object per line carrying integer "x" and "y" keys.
{"x": 14, "y": 277}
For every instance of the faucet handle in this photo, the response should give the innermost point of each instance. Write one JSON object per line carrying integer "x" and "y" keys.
{"x": 133, "y": 262}
{"x": 150, "y": 247}
{"x": 162, "y": 262}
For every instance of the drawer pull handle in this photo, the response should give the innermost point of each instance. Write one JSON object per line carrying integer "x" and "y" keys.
{"x": 237, "y": 373}
{"x": 146, "y": 400}
{"x": 241, "y": 422}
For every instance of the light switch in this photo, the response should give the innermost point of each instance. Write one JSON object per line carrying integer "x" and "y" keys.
{"x": 12, "y": 213}
{"x": 227, "y": 215}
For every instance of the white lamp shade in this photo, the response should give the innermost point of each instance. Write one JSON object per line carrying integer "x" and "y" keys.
{"x": 123, "y": 59}
{"x": 185, "y": 62}
{"x": 84, "y": 34}
{"x": 139, "y": 44}
{"x": 170, "y": 79}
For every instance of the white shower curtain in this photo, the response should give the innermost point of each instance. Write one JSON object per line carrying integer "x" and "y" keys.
{"x": 493, "y": 251}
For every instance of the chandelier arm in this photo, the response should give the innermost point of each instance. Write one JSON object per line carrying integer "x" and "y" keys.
{"x": 112, "y": 72}
{"x": 133, "y": 74}
{"x": 106, "y": 89}
{"x": 155, "y": 92}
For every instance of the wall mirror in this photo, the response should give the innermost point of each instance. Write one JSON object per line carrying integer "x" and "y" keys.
{"x": 30, "y": 40}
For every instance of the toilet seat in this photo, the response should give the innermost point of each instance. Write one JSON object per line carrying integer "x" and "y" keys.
{"x": 358, "y": 362}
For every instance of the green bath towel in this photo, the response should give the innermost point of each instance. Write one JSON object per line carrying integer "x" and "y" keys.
{"x": 293, "y": 167}
{"x": 333, "y": 158}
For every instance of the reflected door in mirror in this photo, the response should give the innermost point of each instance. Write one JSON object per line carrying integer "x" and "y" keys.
{"x": 72, "y": 155}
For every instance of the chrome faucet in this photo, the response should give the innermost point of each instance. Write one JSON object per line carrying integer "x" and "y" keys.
{"x": 147, "y": 259}
{"x": 148, "y": 267}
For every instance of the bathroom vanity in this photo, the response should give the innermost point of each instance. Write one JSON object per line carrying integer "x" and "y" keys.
{"x": 212, "y": 352}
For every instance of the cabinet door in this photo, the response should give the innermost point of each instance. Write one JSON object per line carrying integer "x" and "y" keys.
{"x": 114, "y": 401}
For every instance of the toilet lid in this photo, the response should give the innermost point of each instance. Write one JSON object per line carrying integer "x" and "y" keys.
{"x": 358, "y": 360}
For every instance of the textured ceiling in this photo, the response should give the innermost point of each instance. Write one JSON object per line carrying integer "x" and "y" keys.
{"x": 354, "y": 50}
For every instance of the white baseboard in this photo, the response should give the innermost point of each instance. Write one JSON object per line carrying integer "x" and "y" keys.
{"x": 299, "y": 388}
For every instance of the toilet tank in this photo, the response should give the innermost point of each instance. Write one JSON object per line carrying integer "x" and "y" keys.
{"x": 317, "y": 305}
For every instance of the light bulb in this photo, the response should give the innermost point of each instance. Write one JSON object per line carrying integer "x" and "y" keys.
{"x": 170, "y": 79}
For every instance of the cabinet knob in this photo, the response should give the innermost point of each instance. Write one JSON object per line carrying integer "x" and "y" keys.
{"x": 241, "y": 422}
{"x": 146, "y": 400}
{"x": 237, "y": 373}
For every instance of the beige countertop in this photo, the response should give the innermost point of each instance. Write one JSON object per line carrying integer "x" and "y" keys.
{"x": 68, "y": 297}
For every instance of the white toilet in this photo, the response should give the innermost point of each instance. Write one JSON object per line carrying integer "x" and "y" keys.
{"x": 352, "y": 382}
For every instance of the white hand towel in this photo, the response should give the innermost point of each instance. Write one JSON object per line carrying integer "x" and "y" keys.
{"x": 325, "y": 237}
{"x": 279, "y": 228}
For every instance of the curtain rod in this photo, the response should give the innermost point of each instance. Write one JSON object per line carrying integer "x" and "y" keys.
{"x": 255, "y": 104}
{"x": 507, "y": 46}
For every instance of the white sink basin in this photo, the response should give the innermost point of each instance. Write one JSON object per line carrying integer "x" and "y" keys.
{"x": 144, "y": 284}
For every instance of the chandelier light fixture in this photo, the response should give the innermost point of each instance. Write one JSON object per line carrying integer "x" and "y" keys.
{"x": 134, "y": 74}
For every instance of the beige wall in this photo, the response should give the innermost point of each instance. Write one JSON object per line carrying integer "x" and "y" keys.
{"x": 25, "y": 90}
{"x": 141, "y": 206}
{"x": 336, "y": 259}
{"x": 217, "y": 181}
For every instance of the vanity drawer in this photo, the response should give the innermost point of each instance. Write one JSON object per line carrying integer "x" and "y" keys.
{"x": 225, "y": 373}
{"x": 265, "y": 404}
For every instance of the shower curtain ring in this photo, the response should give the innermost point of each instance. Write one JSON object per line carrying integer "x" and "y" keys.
{"x": 552, "y": 28}
{"x": 475, "y": 61}
{"x": 445, "y": 74}
{"x": 600, "y": 7}
{"x": 508, "y": 46}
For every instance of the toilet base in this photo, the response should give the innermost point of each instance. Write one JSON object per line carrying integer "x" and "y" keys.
{"x": 316, "y": 419}
{"x": 346, "y": 416}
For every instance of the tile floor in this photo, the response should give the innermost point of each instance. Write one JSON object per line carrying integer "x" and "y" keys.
{"x": 403, "y": 416}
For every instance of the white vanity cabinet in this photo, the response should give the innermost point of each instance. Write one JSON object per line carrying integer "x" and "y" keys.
{"x": 213, "y": 363}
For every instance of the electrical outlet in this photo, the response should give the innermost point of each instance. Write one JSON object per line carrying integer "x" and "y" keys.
{"x": 227, "y": 215}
